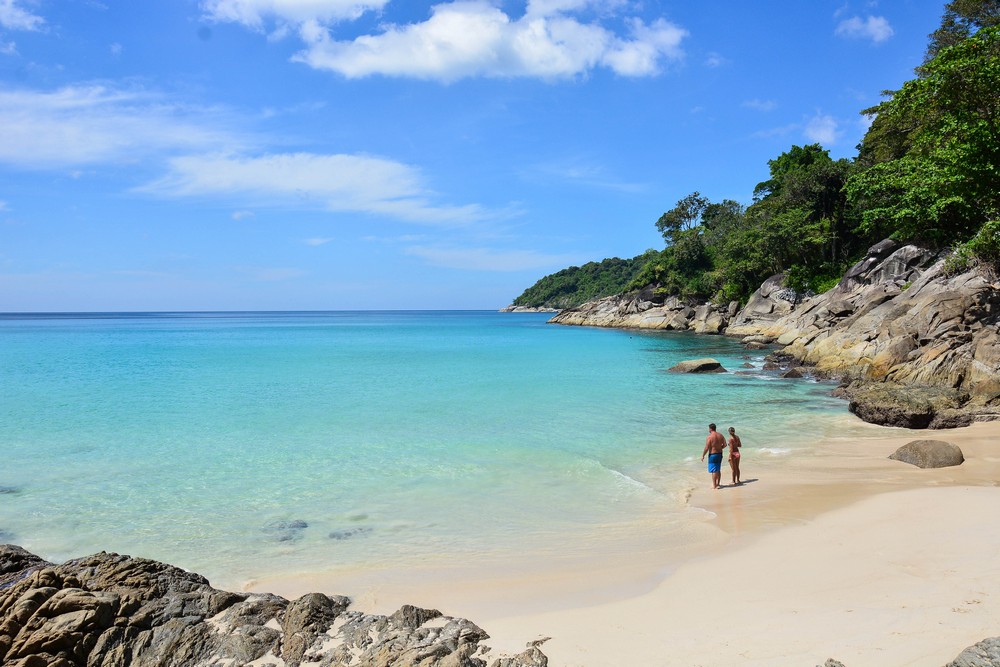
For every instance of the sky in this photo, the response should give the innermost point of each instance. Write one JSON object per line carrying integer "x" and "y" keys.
{"x": 163, "y": 155}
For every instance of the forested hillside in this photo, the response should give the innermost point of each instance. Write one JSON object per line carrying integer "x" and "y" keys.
{"x": 578, "y": 284}
{"x": 927, "y": 172}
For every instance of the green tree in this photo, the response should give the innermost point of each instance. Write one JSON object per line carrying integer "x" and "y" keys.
{"x": 932, "y": 159}
{"x": 961, "y": 20}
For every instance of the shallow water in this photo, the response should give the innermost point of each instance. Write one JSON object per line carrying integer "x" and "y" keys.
{"x": 243, "y": 445}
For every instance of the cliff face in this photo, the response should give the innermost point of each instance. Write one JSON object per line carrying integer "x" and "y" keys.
{"x": 914, "y": 347}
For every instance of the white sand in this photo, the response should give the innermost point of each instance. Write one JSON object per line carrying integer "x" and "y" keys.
{"x": 846, "y": 555}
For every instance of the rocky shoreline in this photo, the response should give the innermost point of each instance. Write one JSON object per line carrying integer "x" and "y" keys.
{"x": 109, "y": 610}
{"x": 912, "y": 345}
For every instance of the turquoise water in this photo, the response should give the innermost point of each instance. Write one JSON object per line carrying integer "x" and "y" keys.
{"x": 251, "y": 444}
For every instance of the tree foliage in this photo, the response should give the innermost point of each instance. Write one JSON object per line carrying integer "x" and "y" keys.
{"x": 933, "y": 154}
{"x": 578, "y": 284}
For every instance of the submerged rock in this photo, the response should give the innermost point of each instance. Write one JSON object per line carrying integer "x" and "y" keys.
{"x": 118, "y": 611}
{"x": 929, "y": 454}
{"x": 698, "y": 366}
{"x": 348, "y": 533}
{"x": 285, "y": 531}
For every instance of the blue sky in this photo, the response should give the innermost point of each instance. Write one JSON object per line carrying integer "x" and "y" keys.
{"x": 354, "y": 154}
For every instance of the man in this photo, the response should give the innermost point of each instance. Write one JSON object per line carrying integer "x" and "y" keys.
{"x": 714, "y": 444}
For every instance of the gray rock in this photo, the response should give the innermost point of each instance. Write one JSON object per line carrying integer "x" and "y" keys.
{"x": 108, "y": 610}
{"x": 830, "y": 662}
{"x": 929, "y": 454}
{"x": 698, "y": 366}
{"x": 792, "y": 373}
{"x": 908, "y": 406}
{"x": 984, "y": 654}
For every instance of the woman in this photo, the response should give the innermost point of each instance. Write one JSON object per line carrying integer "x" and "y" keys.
{"x": 734, "y": 454}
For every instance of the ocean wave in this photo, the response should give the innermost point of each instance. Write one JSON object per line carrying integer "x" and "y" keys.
{"x": 776, "y": 451}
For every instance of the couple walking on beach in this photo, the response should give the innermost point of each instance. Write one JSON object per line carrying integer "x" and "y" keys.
{"x": 714, "y": 444}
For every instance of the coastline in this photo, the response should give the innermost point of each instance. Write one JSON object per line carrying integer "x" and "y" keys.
{"x": 845, "y": 554}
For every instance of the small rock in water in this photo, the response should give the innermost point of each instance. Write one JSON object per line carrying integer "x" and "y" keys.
{"x": 9, "y": 490}
{"x": 285, "y": 531}
{"x": 348, "y": 533}
{"x": 698, "y": 366}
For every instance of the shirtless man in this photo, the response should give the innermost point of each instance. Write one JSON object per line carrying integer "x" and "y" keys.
{"x": 714, "y": 444}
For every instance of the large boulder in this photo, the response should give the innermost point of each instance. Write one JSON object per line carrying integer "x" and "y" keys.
{"x": 929, "y": 454}
{"x": 698, "y": 366}
{"x": 893, "y": 404}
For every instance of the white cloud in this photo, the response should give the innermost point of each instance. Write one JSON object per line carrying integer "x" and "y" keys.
{"x": 715, "y": 60}
{"x": 116, "y": 49}
{"x": 255, "y": 13}
{"x": 3, "y": 206}
{"x": 875, "y": 28}
{"x": 761, "y": 105}
{"x": 581, "y": 172}
{"x": 823, "y": 129}
{"x": 13, "y": 17}
{"x": 82, "y": 125}
{"x": 8, "y": 48}
{"x": 463, "y": 39}
{"x": 343, "y": 183}
{"x": 318, "y": 241}
{"x": 241, "y": 215}
{"x": 487, "y": 259}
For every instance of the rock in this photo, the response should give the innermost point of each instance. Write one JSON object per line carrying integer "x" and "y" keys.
{"x": 792, "y": 373}
{"x": 840, "y": 308}
{"x": 109, "y": 610}
{"x": 348, "y": 533}
{"x": 527, "y": 309}
{"x": 929, "y": 454}
{"x": 753, "y": 345}
{"x": 698, "y": 366}
{"x": 830, "y": 662}
{"x": 747, "y": 364}
{"x": 984, "y": 654}
{"x": 285, "y": 531}
{"x": 907, "y": 406}
{"x": 647, "y": 309}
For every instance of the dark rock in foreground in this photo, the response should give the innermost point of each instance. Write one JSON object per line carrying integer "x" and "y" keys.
{"x": 984, "y": 654}
{"x": 929, "y": 454}
{"x": 698, "y": 366}
{"x": 108, "y": 610}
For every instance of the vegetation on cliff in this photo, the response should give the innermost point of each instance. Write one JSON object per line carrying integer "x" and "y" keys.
{"x": 578, "y": 284}
{"x": 927, "y": 172}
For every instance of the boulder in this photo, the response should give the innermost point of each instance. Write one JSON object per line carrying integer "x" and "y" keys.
{"x": 929, "y": 454}
{"x": 892, "y": 404}
{"x": 698, "y": 366}
{"x": 984, "y": 654}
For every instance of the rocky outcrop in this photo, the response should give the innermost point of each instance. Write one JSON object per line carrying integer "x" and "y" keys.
{"x": 108, "y": 610}
{"x": 929, "y": 454}
{"x": 984, "y": 654}
{"x": 698, "y": 366}
{"x": 914, "y": 346}
{"x": 647, "y": 309}
{"x": 527, "y": 309}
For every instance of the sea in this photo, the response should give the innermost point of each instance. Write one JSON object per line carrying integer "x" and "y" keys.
{"x": 252, "y": 444}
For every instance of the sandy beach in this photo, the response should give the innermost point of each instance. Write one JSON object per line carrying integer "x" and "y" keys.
{"x": 845, "y": 554}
